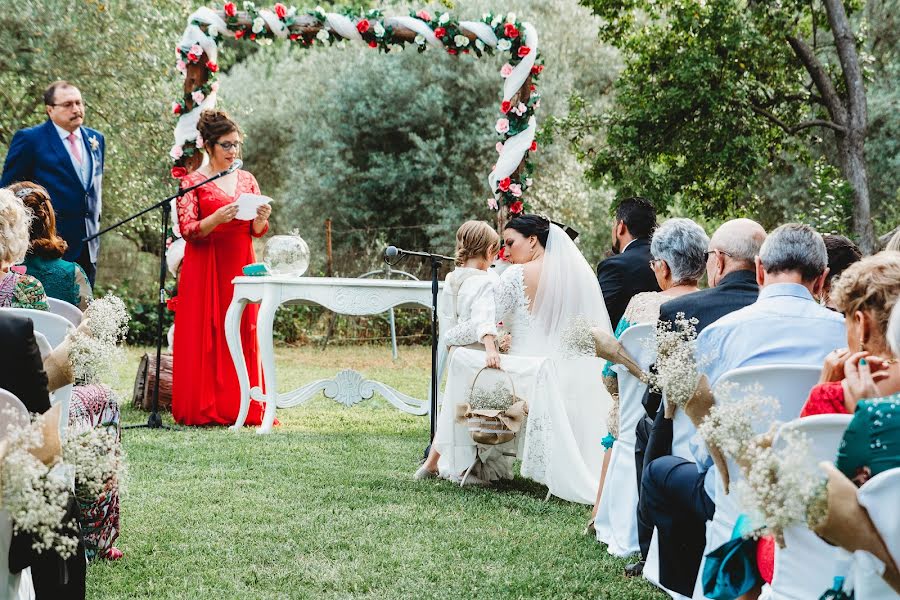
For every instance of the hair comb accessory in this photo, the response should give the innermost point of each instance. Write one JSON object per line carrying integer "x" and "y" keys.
{"x": 24, "y": 192}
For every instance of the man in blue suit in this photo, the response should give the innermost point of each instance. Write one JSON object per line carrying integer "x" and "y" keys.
{"x": 66, "y": 158}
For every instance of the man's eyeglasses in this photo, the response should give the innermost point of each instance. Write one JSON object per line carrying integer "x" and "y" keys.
{"x": 70, "y": 104}
{"x": 226, "y": 146}
{"x": 708, "y": 252}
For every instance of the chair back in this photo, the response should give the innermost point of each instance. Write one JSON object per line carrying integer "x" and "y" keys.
{"x": 806, "y": 566}
{"x": 12, "y": 414}
{"x": 54, "y": 327}
{"x": 879, "y": 497}
{"x": 638, "y": 342}
{"x": 62, "y": 308}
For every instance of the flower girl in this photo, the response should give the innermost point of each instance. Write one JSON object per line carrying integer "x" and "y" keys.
{"x": 467, "y": 310}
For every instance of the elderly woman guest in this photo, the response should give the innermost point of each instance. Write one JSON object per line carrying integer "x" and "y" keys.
{"x": 17, "y": 290}
{"x": 205, "y": 385}
{"x": 866, "y": 293}
{"x": 679, "y": 255}
{"x": 61, "y": 279}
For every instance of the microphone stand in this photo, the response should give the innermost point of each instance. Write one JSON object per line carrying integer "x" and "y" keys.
{"x": 154, "y": 421}
{"x": 436, "y": 261}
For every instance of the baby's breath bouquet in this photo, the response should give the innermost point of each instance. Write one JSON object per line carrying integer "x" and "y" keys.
{"x": 677, "y": 371}
{"x": 35, "y": 494}
{"x": 576, "y": 339}
{"x": 782, "y": 485}
{"x": 92, "y": 348}
{"x": 97, "y": 459}
{"x": 498, "y": 397}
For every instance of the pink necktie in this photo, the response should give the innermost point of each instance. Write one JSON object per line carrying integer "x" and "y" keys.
{"x": 76, "y": 151}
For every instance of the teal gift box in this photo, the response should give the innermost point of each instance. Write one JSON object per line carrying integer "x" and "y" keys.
{"x": 256, "y": 270}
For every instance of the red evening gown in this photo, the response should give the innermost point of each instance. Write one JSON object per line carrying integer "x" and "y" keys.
{"x": 205, "y": 385}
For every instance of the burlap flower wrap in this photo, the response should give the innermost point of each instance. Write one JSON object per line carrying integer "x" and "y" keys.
{"x": 847, "y": 524}
{"x": 492, "y": 426}
{"x": 58, "y": 363}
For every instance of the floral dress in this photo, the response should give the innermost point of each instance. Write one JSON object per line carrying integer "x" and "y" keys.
{"x": 22, "y": 291}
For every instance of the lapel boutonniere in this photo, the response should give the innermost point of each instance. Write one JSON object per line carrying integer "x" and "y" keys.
{"x": 95, "y": 143}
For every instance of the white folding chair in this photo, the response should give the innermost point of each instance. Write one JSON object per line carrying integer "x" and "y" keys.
{"x": 64, "y": 309}
{"x": 12, "y": 413}
{"x": 806, "y": 566}
{"x": 879, "y": 497}
{"x": 616, "y": 521}
{"x": 62, "y": 395}
{"x": 790, "y": 385}
{"x": 54, "y": 327}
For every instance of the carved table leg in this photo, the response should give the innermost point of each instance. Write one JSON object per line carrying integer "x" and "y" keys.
{"x": 233, "y": 337}
{"x": 264, "y": 327}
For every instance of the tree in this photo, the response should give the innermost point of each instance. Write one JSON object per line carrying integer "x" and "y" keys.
{"x": 716, "y": 92}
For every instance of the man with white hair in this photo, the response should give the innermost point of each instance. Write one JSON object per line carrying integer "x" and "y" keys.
{"x": 784, "y": 326}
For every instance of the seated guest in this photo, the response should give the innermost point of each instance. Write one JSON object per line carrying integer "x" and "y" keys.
{"x": 22, "y": 374}
{"x": 679, "y": 261}
{"x": 784, "y": 325}
{"x": 627, "y": 272}
{"x": 16, "y": 289}
{"x": 866, "y": 293}
{"x": 91, "y": 405}
{"x": 730, "y": 272}
{"x": 61, "y": 279}
{"x": 842, "y": 253}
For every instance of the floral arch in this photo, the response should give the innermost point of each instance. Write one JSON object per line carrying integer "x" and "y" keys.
{"x": 509, "y": 178}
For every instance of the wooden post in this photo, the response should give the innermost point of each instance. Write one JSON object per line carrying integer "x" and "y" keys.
{"x": 329, "y": 259}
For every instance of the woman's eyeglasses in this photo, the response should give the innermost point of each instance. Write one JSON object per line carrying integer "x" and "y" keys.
{"x": 226, "y": 146}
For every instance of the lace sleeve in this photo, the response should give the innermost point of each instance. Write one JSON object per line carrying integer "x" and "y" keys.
{"x": 462, "y": 334}
{"x": 254, "y": 189}
{"x": 509, "y": 292}
{"x": 189, "y": 215}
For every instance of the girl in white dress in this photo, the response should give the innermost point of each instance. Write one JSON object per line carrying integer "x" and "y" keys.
{"x": 467, "y": 313}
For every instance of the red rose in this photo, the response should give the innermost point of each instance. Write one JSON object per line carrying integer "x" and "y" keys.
{"x": 363, "y": 26}
{"x": 192, "y": 57}
{"x": 503, "y": 184}
{"x": 533, "y": 87}
{"x": 505, "y": 106}
{"x": 373, "y": 44}
{"x": 252, "y": 36}
{"x": 230, "y": 9}
{"x": 451, "y": 51}
{"x": 440, "y": 32}
{"x": 280, "y": 10}
{"x": 533, "y": 147}
{"x": 213, "y": 67}
{"x": 239, "y": 34}
{"x": 536, "y": 69}
{"x": 176, "y": 108}
{"x": 502, "y": 254}
{"x": 294, "y": 37}
{"x": 516, "y": 207}
{"x": 179, "y": 172}
{"x": 172, "y": 303}
{"x": 510, "y": 31}
{"x": 524, "y": 51}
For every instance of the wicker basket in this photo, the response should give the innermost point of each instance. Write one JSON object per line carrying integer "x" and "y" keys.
{"x": 492, "y": 427}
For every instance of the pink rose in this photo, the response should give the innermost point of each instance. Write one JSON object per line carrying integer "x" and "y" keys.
{"x": 197, "y": 96}
{"x": 502, "y": 125}
{"x": 214, "y": 86}
{"x": 423, "y": 14}
{"x": 176, "y": 152}
{"x": 196, "y": 50}
{"x": 499, "y": 147}
{"x": 181, "y": 66}
{"x": 506, "y": 70}
{"x": 492, "y": 204}
{"x": 515, "y": 189}
{"x": 199, "y": 141}
{"x": 521, "y": 109}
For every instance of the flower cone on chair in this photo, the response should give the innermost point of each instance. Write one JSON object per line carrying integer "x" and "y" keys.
{"x": 58, "y": 365}
{"x": 608, "y": 347}
{"x": 51, "y": 447}
{"x": 697, "y": 408}
{"x": 847, "y": 524}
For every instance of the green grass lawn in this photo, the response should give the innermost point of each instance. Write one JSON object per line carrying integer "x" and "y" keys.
{"x": 325, "y": 507}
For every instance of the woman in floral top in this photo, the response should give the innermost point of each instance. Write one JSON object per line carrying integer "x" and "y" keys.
{"x": 17, "y": 290}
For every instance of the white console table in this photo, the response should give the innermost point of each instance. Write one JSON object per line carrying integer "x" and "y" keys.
{"x": 341, "y": 295}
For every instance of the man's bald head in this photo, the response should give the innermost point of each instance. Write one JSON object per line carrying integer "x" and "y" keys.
{"x": 734, "y": 247}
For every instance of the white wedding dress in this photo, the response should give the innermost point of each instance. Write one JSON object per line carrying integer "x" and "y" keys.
{"x": 567, "y": 401}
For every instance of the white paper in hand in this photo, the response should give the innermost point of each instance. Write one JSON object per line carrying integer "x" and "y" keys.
{"x": 247, "y": 205}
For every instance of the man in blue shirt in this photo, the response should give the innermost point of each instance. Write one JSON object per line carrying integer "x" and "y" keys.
{"x": 784, "y": 326}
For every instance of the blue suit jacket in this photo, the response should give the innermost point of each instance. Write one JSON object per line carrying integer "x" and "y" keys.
{"x": 37, "y": 154}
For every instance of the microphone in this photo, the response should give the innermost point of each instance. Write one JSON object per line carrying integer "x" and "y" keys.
{"x": 393, "y": 252}
{"x": 237, "y": 164}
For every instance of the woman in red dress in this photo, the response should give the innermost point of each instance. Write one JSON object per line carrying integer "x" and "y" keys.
{"x": 205, "y": 384}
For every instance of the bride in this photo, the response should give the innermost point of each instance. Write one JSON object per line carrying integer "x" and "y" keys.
{"x": 547, "y": 299}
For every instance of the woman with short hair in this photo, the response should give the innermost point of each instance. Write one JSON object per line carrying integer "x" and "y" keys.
{"x": 17, "y": 289}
